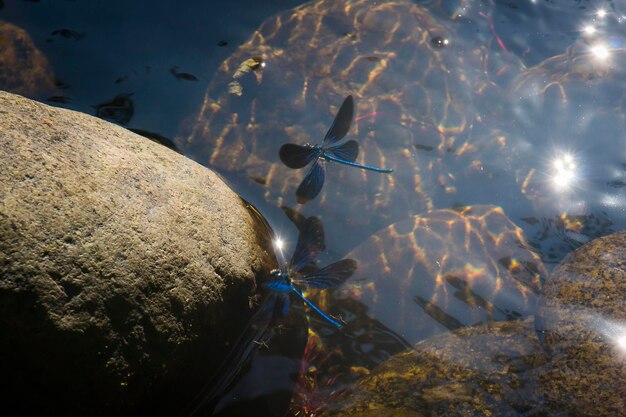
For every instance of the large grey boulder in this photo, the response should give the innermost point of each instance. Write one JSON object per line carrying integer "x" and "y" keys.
{"x": 126, "y": 269}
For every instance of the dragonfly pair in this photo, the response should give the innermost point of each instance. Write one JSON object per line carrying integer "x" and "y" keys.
{"x": 299, "y": 156}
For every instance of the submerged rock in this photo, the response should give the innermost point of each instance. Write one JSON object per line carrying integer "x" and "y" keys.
{"x": 125, "y": 268}
{"x": 23, "y": 68}
{"x": 503, "y": 368}
{"x": 584, "y": 321}
{"x": 476, "y": 371}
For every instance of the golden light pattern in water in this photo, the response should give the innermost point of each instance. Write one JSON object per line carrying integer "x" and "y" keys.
{"x": 407, "y": 93}
{"x": 444, "y": 268}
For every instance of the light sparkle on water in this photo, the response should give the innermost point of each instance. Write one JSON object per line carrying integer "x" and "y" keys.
{"x": 564, "y": 171}
{"x": 589, "y": 29}
{"x": 279, "y": 243}
{"x": 600, "y": 51}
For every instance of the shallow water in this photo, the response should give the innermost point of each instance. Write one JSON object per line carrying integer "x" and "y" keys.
{"x": 517, "y": 105}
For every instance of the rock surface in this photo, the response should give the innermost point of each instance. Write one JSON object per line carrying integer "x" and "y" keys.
{"x": 475, "y": 371}
{"x": 585, "y": 329}
{"x": 125, "y": 268}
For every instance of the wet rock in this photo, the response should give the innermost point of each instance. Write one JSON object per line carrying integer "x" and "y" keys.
{"x": 485, "y": 370}
{"x": 585, "y": 330}
{"x": 125, "y": 268}
{"x": 23, "y": 68}
{"x": 503, "y": 369}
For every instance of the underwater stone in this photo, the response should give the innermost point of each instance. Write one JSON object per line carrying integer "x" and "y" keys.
{"x": 502, "y": 368}
{"x": 481, "y": 370}
{"x": 125, "y": 268}
{"x": 23, "y": 68}
{"x": 585, "y": 330}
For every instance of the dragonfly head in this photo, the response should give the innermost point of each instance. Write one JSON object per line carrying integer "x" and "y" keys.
{"x": 277, "y": 274}
{"x": 311, "y": 146}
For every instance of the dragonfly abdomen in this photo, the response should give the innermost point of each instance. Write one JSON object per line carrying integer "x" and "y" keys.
{"x": 329, "y": 157}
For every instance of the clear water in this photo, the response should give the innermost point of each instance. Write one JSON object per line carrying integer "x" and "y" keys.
{"x": 528, "y": 115}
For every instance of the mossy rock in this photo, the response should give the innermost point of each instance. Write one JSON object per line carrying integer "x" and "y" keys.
{"x": 583, "y": 320}
{"x": 476, "y": 371}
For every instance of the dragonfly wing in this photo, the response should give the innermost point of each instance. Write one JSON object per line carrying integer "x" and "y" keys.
{"x": 312, "y": 183}
{"x": 347, "y": 151}
{"x": 296, "y": 156}
{"x": 332, "y": 275}
{"x": 342, "y": 122}
{"x": 310, "y": 244}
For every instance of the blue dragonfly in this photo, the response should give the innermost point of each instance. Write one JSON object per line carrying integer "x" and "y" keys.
{"x": 301, "y": 270}
{"x": 299, "y": 156}
{"x": 262, "y": 326}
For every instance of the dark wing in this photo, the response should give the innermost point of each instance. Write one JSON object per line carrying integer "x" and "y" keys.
{"x": 310, "y": 244}
{"x": 347, "y": 151}
{"x": 341, "y": 124}
{"x": 332, "y": 275}
{"x": 311, "y": 184}
{"x": 296, "y": 156}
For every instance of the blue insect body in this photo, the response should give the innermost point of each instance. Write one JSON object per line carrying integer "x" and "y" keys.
{"x": 299, "y": 156}
{"x": 310, "y": 243}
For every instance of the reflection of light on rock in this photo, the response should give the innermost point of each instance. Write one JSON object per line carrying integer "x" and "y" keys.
{"x": 601, "y": 13}
{"x": 613, "y": 332}
{"x": 589, "y": 29}
{"x": 600, "y": 51}
{"x": 564, "y": 172}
